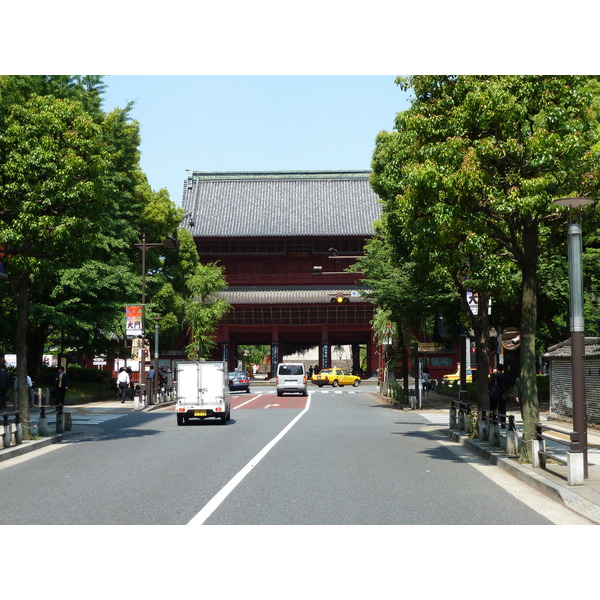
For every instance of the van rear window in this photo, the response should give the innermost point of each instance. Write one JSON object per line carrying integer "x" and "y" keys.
{"x": 291, "y": 370}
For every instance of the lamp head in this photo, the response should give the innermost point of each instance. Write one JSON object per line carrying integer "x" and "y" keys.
{"x": 574, "y": 202}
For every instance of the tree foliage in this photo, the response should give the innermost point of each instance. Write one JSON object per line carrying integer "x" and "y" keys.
{"x": 73, "y": 204}
{"x": 468, "y": 178}
{"x": 204, "y": 308}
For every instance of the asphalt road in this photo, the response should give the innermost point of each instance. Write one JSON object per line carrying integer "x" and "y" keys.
{"x": 337, "y": 458}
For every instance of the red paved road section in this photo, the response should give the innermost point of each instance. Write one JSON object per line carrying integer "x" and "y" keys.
{"x": 262, "y": 401}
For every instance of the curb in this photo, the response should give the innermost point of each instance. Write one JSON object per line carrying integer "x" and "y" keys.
{"x": 31, "y": 445}
{"x": 565, "y": 496}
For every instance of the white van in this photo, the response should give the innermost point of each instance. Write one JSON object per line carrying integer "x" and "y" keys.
{"x": 291, "y": 377}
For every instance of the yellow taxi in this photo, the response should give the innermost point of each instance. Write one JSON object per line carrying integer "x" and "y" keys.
{"x": 335, "y": 377}
{"x": 454, "y": 377}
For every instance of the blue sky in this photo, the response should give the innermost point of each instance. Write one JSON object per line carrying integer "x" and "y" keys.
{"x": 254, "y": 122}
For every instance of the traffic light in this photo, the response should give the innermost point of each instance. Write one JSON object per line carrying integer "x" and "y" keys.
{"x": 339, "y": 299}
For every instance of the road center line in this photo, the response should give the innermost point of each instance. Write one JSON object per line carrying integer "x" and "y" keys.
{"x": 247, "y": 401}
{"x": 216, "y": 500}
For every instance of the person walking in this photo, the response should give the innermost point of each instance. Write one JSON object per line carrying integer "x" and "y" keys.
{"x": 61, "y": 385}
{"x": 123, "y": 382}
{"x": 517, "y": 391}
{"x": 29, "y": 390}
{"x": 4, "y": 385}
{"x": 498, "y": 391}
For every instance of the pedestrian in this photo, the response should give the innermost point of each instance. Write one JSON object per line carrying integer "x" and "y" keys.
{"x": 4, "y": 385}
{"x": 123, "y": 382}
{"x": 425, "y": 376}
{"x": 131, "y": 390}
{"x": 498, "y": 391}
{"x": 517, "y": 391}
{"x": 29, "y": 390}
{"x": 61, "y": 385}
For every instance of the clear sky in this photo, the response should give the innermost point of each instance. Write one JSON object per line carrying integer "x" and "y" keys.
{"x": 254, "y": 122}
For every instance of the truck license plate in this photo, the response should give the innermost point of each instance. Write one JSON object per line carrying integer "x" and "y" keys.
{"x": 199, "y": 413}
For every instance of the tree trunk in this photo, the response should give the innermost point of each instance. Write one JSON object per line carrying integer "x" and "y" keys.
{"x": 21, "y": 295}
{"x": 530, "y": 404}
{"x": 36, "y": 340}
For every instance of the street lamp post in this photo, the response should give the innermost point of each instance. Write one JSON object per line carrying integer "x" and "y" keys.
{"x": 576, "y": 324}
{"x": 169, "y": 242}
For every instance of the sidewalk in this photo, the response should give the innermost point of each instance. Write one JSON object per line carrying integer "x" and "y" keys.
{"x": 552, "y": 481}
{"x": 108, "y": 407}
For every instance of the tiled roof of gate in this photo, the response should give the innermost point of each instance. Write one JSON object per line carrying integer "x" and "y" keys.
{"x": 291, "y": 295}
{"x": 287, "y": 203}
{"x": 563, "y": 349}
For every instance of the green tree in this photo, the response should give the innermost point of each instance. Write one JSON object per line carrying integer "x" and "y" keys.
{"x": 478, "y": 160}
{"x": 204, "y": 308}
{"x": 406, "y": 292}
{"x": 53, "y": 168}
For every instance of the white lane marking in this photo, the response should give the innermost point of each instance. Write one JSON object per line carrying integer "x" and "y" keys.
{"x": 216, "y": 500}
{"x": 247, "y": 401}
{"x": 269, "y": 405}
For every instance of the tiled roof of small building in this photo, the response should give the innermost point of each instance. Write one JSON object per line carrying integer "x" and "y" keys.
{"x": 563, "y": 349}
{"x": 290, "y": 203}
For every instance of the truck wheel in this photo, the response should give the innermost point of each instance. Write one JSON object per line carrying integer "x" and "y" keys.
{"x": 179, "y": 419}
{"x": 335, "y": 383}
{"x": 224, "y": 419}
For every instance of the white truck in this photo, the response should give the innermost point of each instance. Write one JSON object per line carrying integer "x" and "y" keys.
{"x": 202, "y": 392}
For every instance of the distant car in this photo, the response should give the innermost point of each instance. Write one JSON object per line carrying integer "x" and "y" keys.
{"x": 335, "y": 377}
{"x": 452, "y": 377}
{"x": 238, "y": 380}
{"x": 291, "y": 378}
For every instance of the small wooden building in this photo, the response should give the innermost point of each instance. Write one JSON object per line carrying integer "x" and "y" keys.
{"x": 561, "y": 382}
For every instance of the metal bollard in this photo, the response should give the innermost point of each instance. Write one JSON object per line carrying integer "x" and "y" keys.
{"x": 575, "y": 468}
{"x": 482, "y": 427}
{"x": 43, "y": 423}
{"x": 494, "y": 436}
{"x": 469, "y": 423}
{"x": 452, "y": 417}
{"x": 461, "y": 419}
{"x": 7, "y": 436}
{"x": 512, "y": 443}
{"x": 18, "y": 431}
{"x": 534, "y": 446}
{"x": 60, "y": 419}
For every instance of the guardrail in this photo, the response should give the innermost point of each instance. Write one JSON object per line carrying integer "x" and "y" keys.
{"x": 491, "y": 423}
{"x": 575, "y": 457}
{"x": 461, "y": 417}
{"x": 8, "y": 427}
{"x": 488, "y": 426}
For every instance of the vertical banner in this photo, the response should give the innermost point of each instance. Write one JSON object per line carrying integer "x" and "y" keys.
{"x": 274, "y": 357}
{"x": 133, "y": 321}
{"x": 325, "y": 356}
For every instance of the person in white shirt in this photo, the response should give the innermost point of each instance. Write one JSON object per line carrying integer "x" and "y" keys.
{"x": 123, "y": 383}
